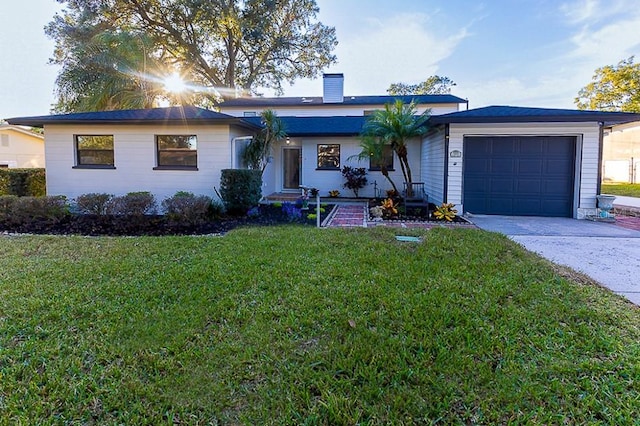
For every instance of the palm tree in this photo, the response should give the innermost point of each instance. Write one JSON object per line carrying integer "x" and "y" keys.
{"x": 395, "y": 125}
{"x": 372, "y": 149}
{"x": 257, "y": 152}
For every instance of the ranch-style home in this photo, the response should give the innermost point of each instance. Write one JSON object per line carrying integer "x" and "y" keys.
{"x": 20, "y": 148}
{"x": 492, "y": 160}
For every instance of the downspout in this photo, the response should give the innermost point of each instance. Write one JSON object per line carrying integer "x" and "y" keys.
{"x": 445, "y": 188}
{"x": 600, "y": 155}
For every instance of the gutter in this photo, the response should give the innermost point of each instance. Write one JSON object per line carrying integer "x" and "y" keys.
{"x": 445, "y": 188}
{"x": 600, "y": 156}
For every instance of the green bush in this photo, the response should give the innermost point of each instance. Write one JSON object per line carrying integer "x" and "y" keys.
{"x": 240, "y": 189}
{"x": 187, "y": 207}
{"x": 22, "y": 182}
{"x": 6, "y": 206}
{"x": 132, "y": 204}
{"x": 36, "y": 183}
{"x": 23, "y": 210}
{"x": 93, "y": 203}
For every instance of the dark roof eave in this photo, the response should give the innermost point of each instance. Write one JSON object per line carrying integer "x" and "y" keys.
{"x": 39, "y": 122}
{"x": 435, "y": 120}
{"x": 318, "y": 134}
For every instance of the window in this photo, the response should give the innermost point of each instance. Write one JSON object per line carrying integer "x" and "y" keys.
{"x": 94, "y": 151}
{"x": 240, "y": 145}
{"x": 4, "y": 141}
{"x": 250, "y": 114}
{"x": 329, "y": 156}
{"x": 4, "y": 166}
{"x": 387, "y": 160}
{"x": 177, "y": 152}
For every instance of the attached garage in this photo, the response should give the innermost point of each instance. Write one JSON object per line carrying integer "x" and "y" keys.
{"x": 518, "y": 161}
{"x": 519, "y": 175}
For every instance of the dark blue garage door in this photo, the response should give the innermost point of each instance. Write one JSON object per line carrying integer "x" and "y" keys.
{"x": 519, "y": 176}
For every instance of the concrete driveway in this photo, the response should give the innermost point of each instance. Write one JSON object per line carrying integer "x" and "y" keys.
{"x": 607, "y": 253}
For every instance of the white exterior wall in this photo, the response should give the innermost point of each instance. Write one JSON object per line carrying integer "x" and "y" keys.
{"x": 327, "y": 180}
{"x": 135, "y": 158}
{"x": 20, "y": 149}
{"x": 432, "y": 166}
{"x": 331, "y": 110}
{"x": 588, "y": 136}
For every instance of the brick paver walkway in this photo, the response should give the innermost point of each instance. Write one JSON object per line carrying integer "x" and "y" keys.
{"x": 357, "y": 215}
{"x": 348, "y": 216}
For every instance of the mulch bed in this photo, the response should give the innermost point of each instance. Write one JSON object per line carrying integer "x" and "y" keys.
{"x": 155, "y": 225}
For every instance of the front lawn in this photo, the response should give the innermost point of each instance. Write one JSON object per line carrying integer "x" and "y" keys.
{"x": 624, "y": 189}
{"x": 295, "y": 325}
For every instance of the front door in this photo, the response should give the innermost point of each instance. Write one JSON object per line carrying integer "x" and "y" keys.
{"x": 292, "y": 167}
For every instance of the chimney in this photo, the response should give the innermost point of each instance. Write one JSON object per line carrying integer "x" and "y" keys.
{"x": 333, "y": 88}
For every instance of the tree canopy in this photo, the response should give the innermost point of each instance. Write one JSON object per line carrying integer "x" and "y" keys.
{"x": 395, "y": 125}
{"x": 613, "y": 88}
{"x": 115, "y": 53}
{"x": 434, "y": 85}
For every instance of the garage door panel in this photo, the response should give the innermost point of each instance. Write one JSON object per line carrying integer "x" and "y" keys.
{"x": 556, "y": 167}
{"x": 519, "y": 175}
{"x": 502, "y": 166}
{"x": 528, "y": 186}
{"x": 479, "y": 166}
{"x": 524, "y": 205}
{"x": 500, "y": 205}
{"x": 501, "y": 186}
{"x": 530, "y": 149}
{"x": 534, "y": 166}
{"x": 502, "y": 146}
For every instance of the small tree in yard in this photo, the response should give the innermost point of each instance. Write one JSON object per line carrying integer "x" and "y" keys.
{"x": 258, "y": 151}
{"x": 355, "y": 177}
{"x": 395, "y": 125}
{"x": 372, "y": 149}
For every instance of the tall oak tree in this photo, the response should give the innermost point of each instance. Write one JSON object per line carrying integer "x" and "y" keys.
{"x": 230, "y": 45}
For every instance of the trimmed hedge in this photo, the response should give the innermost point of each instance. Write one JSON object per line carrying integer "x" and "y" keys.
{"x": 240, "y": 189}
{"x": 23, "y": 182}
{"x": 24, "y": 210}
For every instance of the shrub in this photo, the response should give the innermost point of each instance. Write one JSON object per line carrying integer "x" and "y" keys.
{"x": 254, "y": 212}
{"x": 93, "y": 203}
{"x": 36, "y": 183}
{"x": 356, "y": 178}
{"x": 216, "y": 209}
{"x": 240, "y": 189}
{"x": 334, "y": 193}
{"x": 445, "y": 211}
{"x": 25, "y": 210}
{"x": 389, "y": 208}
{"x": 187, "y": 207}
{"x": 292, "y": 212}
{"x": 133, "y": 204}
{"x": 22, "y": 182}
{"x": 6, "y": 206}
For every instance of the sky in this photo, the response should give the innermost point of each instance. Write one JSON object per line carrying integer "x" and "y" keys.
{"x": 498, "y": 52}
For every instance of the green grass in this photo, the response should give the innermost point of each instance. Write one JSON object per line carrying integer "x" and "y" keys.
{"x": 290, "y": 325}
{"x": 624, "y": 189}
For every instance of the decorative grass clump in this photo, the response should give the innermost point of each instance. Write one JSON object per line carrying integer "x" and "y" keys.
{"x": 294, "y": 325}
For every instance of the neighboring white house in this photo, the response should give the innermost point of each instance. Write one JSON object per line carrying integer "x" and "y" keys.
{"x": 20, "y": 148}
{"x": 493, "y": 160}
{"x": 621, "y": 153}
